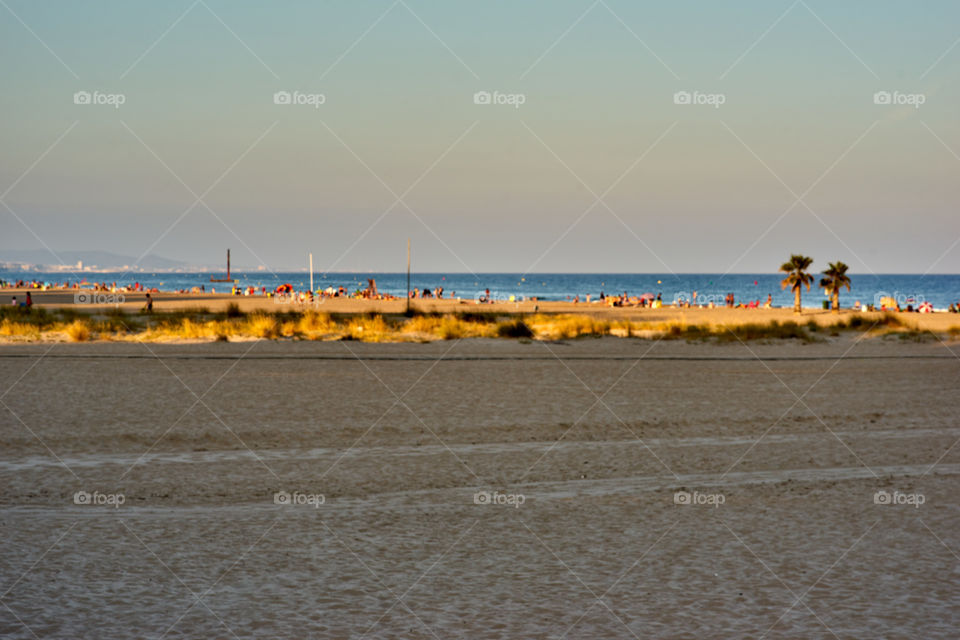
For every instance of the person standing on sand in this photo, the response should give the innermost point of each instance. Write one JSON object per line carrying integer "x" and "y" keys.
{"x": 29, "y": 300}
{"x": 149, "y": 306}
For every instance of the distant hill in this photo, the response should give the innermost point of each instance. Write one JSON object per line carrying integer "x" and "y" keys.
{"x": 99, "y": 259}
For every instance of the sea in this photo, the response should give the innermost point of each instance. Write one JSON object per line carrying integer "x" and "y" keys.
{"x": 941, "y": 290}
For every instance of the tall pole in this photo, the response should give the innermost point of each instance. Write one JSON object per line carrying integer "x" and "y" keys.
{"x": 311, "y": 272}
{"x": 408, "y": 275}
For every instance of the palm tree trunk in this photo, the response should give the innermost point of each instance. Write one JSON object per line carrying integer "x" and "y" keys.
{"x": 836, "y": 302}
{"x": 796, "y": 300}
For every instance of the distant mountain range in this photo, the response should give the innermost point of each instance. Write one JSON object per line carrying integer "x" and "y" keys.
{"x": 101, "y": 260}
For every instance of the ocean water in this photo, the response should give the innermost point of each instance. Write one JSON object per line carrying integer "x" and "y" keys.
{"x": 940, "y": 290}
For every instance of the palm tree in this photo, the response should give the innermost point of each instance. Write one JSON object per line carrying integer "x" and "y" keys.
{"x": 797, "y": 276}
{"x": 836, "y": 278}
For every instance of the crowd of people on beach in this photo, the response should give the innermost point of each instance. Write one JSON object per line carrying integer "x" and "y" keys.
{"x": 106, "y": 287}
{"x": 36, "y": 284}
{"x": 681, "y": 301}
{"x": 288, "y": 293}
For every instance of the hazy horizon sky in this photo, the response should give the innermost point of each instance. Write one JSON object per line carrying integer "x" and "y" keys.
{"x": 600, "y": 169}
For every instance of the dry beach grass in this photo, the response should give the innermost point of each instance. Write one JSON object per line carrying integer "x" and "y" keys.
{"x": 79, "y": 323}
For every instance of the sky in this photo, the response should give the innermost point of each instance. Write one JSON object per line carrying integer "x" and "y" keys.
{"x": 825, "y": 128}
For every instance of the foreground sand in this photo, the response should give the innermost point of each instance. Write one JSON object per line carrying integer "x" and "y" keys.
{"x": 597, "y": 435}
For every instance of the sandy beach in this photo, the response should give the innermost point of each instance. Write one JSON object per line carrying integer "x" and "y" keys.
{"x": 481, "y": 489}
{"x": 717, "y": 317}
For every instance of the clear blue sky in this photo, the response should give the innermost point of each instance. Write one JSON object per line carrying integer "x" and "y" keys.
{"x": 485, "y": 187}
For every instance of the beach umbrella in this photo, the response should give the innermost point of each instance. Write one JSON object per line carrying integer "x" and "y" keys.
{"x": 648, "y": 296}
{"x": 926, "y": 307}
